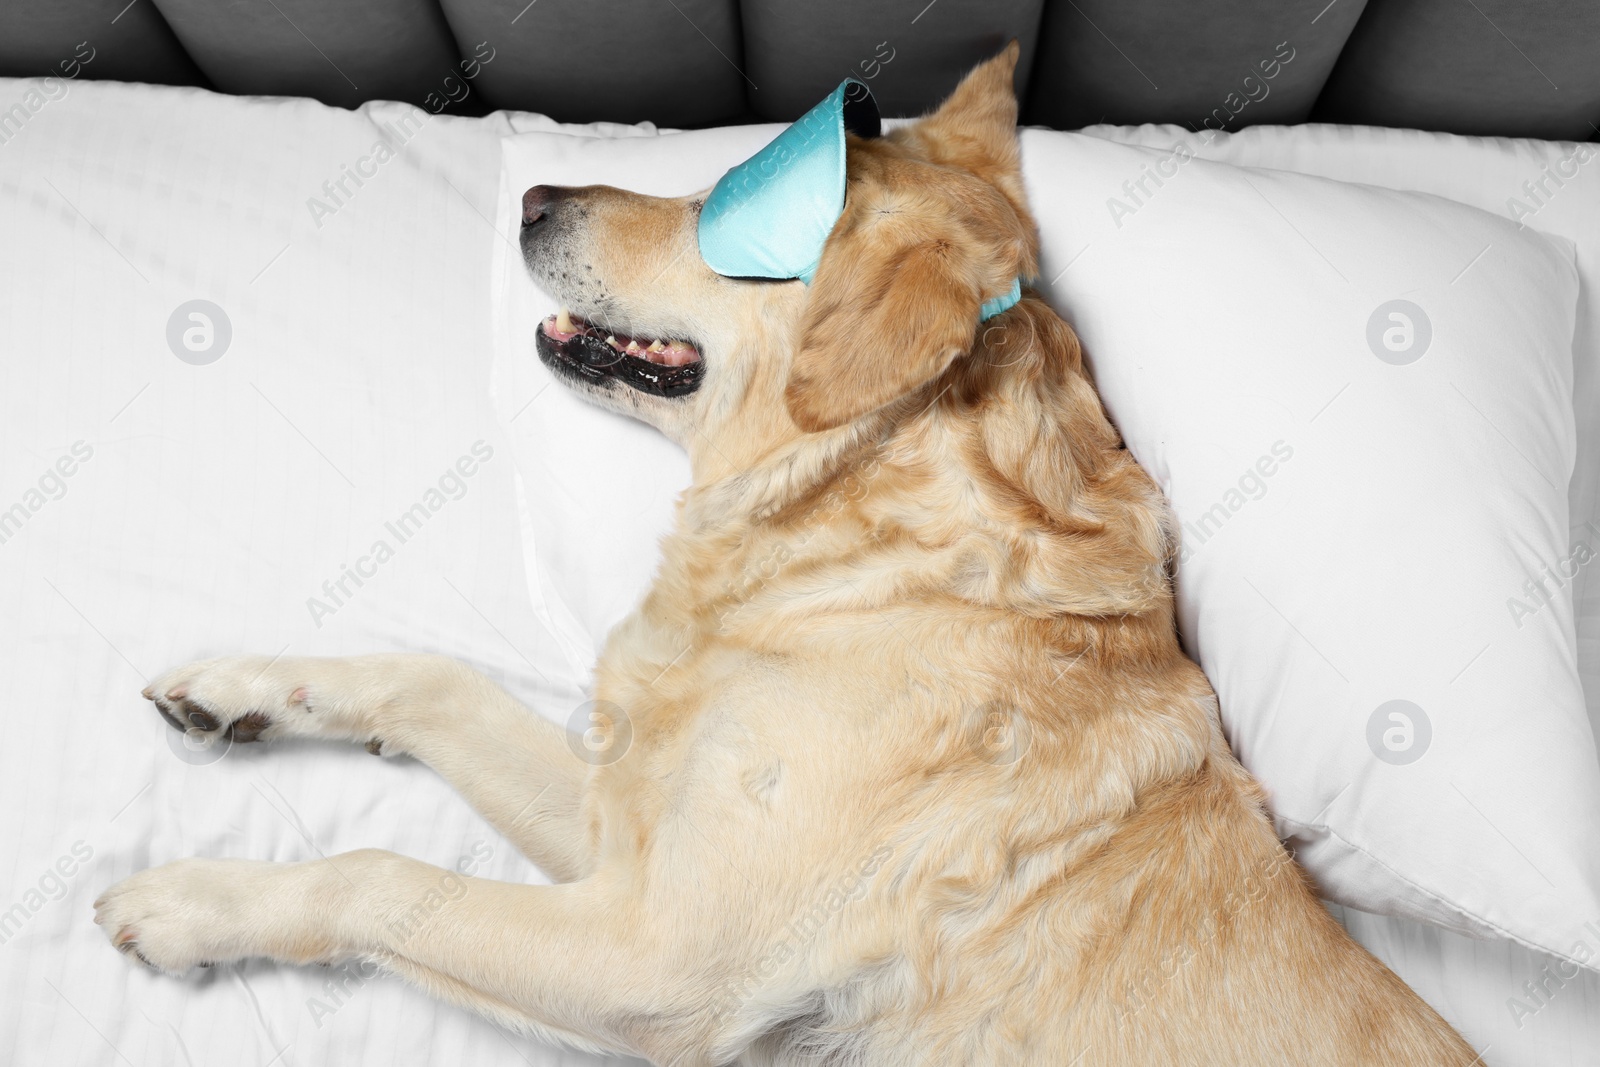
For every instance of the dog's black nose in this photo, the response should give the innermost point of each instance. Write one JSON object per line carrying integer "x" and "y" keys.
{"x": 537, "y": 201}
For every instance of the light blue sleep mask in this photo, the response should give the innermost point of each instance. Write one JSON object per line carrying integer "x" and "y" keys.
{"x": 770, "y": 216}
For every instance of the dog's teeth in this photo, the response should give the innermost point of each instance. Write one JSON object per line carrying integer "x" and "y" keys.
{"x": 633, "y": 347}
{"x": 564, "y": 321}
{"x": 612, "y": 341}
{"x": 657, "y": 346}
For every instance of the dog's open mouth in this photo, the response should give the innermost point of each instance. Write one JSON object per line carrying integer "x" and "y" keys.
{"x": 568, "y": 345}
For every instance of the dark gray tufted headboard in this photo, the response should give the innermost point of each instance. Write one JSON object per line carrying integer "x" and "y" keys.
{"x": 1508, "y": 67}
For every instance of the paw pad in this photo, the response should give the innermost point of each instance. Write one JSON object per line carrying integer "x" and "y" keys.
{"x": 189, "y": 716}
{"x": 248, "y": 727}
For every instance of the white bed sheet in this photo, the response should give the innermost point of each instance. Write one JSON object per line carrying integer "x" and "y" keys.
{"x": 217, "y": 501}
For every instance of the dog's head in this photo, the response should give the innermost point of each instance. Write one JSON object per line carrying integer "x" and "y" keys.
{"x": 934, "y": 224}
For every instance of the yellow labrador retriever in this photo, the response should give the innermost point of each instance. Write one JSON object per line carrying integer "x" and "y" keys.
{"x": 900, "y": 762}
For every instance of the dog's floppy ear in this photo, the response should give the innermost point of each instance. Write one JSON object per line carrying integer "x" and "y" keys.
{"x": 884, "y": 317}
{"x": 896, "y": 296}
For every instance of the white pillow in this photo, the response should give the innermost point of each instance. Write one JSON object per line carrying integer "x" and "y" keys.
{"x": 1358, "y": 521}
{"x": 1549, "y": 186}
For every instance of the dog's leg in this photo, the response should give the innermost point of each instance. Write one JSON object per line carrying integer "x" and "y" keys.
{"x": 513, "y": 766}
{"x": 586, "y": 962}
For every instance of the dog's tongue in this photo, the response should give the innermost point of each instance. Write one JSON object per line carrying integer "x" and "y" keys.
{"x": 563, "y": 326}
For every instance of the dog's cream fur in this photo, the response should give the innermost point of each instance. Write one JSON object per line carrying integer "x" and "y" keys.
{"x": 918, "y": 772}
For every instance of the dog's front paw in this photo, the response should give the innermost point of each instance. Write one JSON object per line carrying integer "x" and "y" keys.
{"x": 190, "y": 913}
{"x": 237, "y": 697}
